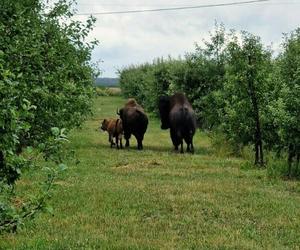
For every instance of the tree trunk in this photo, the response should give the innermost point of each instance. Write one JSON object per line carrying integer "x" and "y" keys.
{"x": 291, "y": 154}
{"x": 261, "y": 150}
{"x": 297, "y": 162}
{"x": 1, "y": 160}
{"x": 259, "y": 156}
{"x": 256, "y": 153}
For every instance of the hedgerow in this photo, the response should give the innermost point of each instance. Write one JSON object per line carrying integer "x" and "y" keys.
{"x": 236, "y": 86}
{"x": 46, "y": 89}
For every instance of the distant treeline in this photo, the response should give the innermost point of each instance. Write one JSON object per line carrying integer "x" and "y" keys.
{"x": 237, "y": 87}
{"x": 107, "y": 82}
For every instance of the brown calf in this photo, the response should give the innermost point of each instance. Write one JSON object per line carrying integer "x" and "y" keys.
{"x": 114, "y": 129}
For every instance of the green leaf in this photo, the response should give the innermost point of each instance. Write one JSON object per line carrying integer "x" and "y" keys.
{"x": 55, "y": 131}
{"x": 62, "y": 167}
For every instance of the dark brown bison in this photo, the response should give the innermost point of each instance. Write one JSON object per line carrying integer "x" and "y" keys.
{"x": 135, "y": 122}
{"x": 177, "y": 114}
{"x": 114, "y": 129}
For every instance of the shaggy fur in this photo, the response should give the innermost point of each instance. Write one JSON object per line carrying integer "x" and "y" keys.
{"x": 135, "y": 122}
{"x": 177, "y": 114}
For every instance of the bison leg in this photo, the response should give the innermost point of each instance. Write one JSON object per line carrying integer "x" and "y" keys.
{"x": 181, "y": 148}
{"x": 139, "y": 139}
{"x": 127, "y": 137}
{"x": 140, "y": 145}
{"x": 192, "y": 147}
{"x": 189, "y": 142}
{"x": 111, "y": 140}
{"x": 117, "y": 141}
{"x": 121, "y": 145}
{"x": 175, "y": 139}
{"x": 127, "y": 143}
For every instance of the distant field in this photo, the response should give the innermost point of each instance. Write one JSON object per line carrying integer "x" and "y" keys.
{"x": 114, "y": 91}
{"x": 107, "y": 82}
{"x": 158, "y": 199}
{"x": 108, "y": 91}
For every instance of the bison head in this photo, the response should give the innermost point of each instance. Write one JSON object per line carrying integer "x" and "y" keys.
{"x": 131, "y": 102}
{"x": 164, "y": 111}
{"x": 104, "y": 125}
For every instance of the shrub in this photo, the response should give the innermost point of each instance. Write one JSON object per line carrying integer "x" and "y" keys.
{"x": 46, "y": 89}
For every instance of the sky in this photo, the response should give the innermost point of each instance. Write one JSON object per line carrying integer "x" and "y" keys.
{"x": 134, "y": 38}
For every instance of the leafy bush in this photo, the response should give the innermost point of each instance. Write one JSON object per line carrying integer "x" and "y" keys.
{"x": 13, "y": 114}
{"x": 46, "y": 89}
{"x": 284, "y": 103}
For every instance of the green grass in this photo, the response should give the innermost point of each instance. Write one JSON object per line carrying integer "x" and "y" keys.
{"x": 157, "y": 199}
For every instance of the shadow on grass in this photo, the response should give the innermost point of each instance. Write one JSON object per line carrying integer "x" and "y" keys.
{"x": 164, "y": 148}
{"x": 170, "y": 149}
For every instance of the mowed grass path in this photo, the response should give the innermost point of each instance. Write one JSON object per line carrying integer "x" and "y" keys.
{"x": 157, "y": 199}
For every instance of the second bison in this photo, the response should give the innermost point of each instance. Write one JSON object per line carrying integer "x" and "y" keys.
{"x": 177, "y": 114}
{"x": 135, "y": 121}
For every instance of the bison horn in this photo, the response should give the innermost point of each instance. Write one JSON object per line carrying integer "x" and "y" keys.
{"x": 118, "y": 112}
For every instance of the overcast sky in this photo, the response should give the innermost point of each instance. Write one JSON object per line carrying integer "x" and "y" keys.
{"x": 140, "y": 37}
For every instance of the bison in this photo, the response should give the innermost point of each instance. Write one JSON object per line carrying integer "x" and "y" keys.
{"x": 114, "y": 129}
{"x": 177, "y": 114}
{"x": 135, "y": 122}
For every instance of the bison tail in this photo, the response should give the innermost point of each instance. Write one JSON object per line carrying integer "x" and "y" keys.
{"x": 184, "y": 110}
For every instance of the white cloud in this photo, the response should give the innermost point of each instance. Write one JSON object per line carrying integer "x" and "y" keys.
{"x": 134, "y": 38}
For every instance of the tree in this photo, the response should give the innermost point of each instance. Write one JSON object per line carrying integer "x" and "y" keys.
{"x": 284, "y": 106}
{"x": 204, "y": 78}
{"x": 247, "y": 72}
{"x": 46, "y": 89}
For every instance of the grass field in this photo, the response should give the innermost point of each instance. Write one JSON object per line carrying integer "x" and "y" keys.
{"x": 157, "y": 199}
